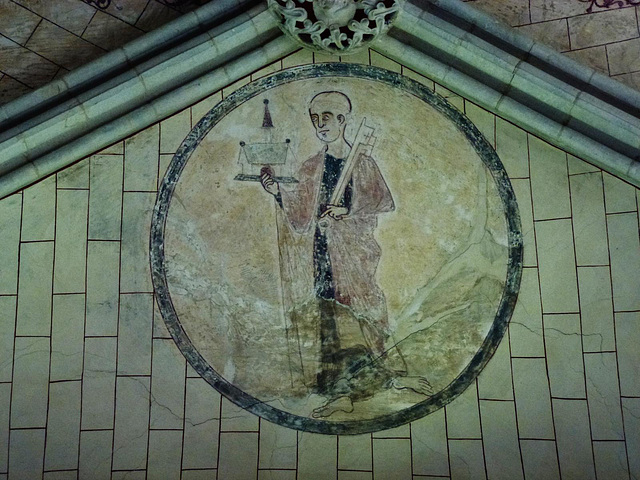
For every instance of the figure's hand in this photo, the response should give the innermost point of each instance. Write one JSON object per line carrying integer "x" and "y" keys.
{"x": 269, "y": 184}
{"x": 335, "y": 212}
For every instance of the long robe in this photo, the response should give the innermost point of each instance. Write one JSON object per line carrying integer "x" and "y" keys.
{"x": 360, "y": 309}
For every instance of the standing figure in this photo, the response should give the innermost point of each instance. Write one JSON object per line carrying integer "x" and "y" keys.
{"x": 336, "y": 311}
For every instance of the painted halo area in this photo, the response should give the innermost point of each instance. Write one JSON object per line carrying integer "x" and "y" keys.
{"x": 193, "y": 233}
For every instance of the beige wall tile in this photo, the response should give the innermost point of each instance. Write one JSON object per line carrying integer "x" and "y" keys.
{"x": 324, "y": 58}
{"x": 26, "y": 453}
{"x": 317, "y": 456}
{"x": 75, "y": 176}
{"x": 66, "y": 13}
{"x": 624, "y": 246}
{"x": 533, "y": 400}
{"x": 135, "y": 275}
{"x": 11, "y": 89}
{"x": 234, "y": 86}
{"x": 391, "y": 459}
{"x": 108, "y": 32}
{"x": 573, "y": 438}
{"x": 631, "y": 414}
{"x": 463, "y": 415}
{"x": 540, "y": 460}
{"x": 550, "y": 9}
{"x": 39, "y": 210}
{"x": 135, "y": 334}
{"x": 98, "y": 383}
{"x": 201, "y": 425}
{"x": 105, "y": 201}
{"x": 238, "y": 456}
{"x": 525, "y": 327}
{"x": 467, "y": 460}
{"x": 268, "y": 70}
{"x": 594, "y": 57}
{"x": 500, "y": 440}
{"x": 418, "y": 78}
{"x": 10, "y": 212}
{"x": 129, "y": 11}
{"x": 301, "y": 57}
{"x": 61, "y": 475}
{"x": 30, "y": 383}
{"x": 564, "y": 356}
{"x": 603, "y": 395}
{"x": 173, "y": 131}
{"x": 512, "y": 13}
{"x": 63, "y": 426}
{"x": 17, "y": 22}
{"x": 167, "y": 385}
{"x": 115, "y": 149}
{"x": 71, "y": 241}
{"x": 611, "y": 460}
{"x": 522, "y": 189}
{"x": 596, "y": 309}
{"x": 5, "y": 407}
{"x": 278, "y": 446}
{"x": 552, "y": 33}
{"x": 155, "y": 15}
{"x": 624, "y": 57}
{"x": 603, "y": 27}
{"x": 34, "y": 293}
{"x": 494, "y": 382}
{"x": 236, "y": 419}
{"x": 24, "y": 66}
{"x": 589, "y": 224}
{"x": 344, "y": 475}
{"x": 131, "y": 423}
{"x": 67, "y": 337}
{"x": 354, "y": 452}
{"x": 402, "y": 431}
{"x": 627, "y": 341}
{"x": 211, "y": 475}
{"x": 558, "y": 279}
{"x": 95, "y": 454}
{"x": 165, "y": 160}
{"x": 103, "y": 283}
{"x": 578, "y": 166}
{"x": 381, "y": 61}
{"x": 164, "y": 454}
{"x": 141, "y": 160}
{"x": 360, "y": 56}
{"x": 129, "y": 475}
{"x": 619, "y": 195}
{"x": 511, "y": 146}
{"x": 484, "y": 120}
{"x": 62, "y": 47}
{"x": 549, "y": 181}
{"x": 7, "y": 330}
{"x": 429, "y": 445}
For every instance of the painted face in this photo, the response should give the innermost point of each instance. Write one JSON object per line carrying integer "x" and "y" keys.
{"x": 328, "y": 125}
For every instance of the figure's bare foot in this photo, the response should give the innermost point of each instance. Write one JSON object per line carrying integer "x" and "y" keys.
{"x": 340, "y": 404}
{"x": 417, "y": 384}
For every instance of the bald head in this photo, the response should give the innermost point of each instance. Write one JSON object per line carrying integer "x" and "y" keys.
{"x": 328, "y": 112}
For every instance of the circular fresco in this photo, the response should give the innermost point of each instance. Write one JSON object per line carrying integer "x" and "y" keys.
{"x": 336, "y": 249}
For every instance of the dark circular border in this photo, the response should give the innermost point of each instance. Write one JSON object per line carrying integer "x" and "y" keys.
{"x": 258, "y": 407}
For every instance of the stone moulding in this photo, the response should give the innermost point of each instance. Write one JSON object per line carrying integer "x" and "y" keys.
{"x": 569, "y": 105}
{"x": 337, "y": 27}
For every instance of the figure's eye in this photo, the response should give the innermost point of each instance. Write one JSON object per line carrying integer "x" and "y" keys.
{"x": 314, "y": 118}
{"x": 326, "y": 118}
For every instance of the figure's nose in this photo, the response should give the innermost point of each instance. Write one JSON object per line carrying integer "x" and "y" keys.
{"x": 320, "y": 123}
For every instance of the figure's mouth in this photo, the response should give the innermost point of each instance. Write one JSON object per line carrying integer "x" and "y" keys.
{"x": 324, "y": 132}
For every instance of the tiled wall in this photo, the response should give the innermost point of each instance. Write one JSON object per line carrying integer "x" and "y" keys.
{"x": 607, "y": 39}
{"x": 43, "y": 39}
{"x": 92, "y": 387}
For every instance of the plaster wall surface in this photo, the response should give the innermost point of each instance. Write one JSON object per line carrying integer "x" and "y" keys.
{"x": 92, "y": 386}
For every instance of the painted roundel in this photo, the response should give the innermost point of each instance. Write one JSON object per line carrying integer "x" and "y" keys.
{"x": 336, "y": 249}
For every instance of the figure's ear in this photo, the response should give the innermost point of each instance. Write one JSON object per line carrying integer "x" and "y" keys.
{"x": 341, "y": 119}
